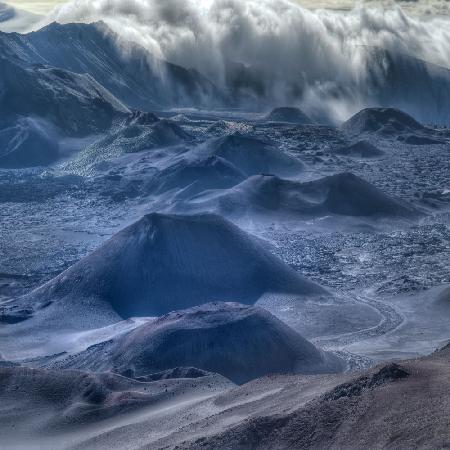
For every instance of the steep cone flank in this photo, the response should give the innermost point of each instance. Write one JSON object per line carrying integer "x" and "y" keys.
{"x": 166, "y": 262}
{"x": 237, "y": 341}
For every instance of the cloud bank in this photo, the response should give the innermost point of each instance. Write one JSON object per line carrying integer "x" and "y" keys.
{"x": 277, "y": 44}
{"x": 16, "y": 20}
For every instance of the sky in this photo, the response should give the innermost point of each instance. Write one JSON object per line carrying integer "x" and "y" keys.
{"x": 36, "y": 6}
{"x": 420, "y": 7}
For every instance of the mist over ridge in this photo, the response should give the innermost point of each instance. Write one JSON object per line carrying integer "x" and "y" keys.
{"x": 276, "y": 52}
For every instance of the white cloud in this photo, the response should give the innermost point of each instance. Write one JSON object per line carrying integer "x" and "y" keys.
{"x": 418, "y": 7}
{"x": 324, "y": 50}
{"x": 16, "y": 20}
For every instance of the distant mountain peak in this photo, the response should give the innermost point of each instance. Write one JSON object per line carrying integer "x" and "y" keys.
{"x": 139, "y": 80}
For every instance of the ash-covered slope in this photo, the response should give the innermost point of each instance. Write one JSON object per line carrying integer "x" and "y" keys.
{"x": 402, "y": 403}
{"x": 190, "y": 178}
{"x": 288, "y": 114}
{"x": 139, "y": 80}
{"x": 360, "y": 149}
{"x": 381, "y": 120}
{"x": 239, "y": 342}
{"x": 388, "y": 123}
{"x": 220, "y": 164}
{"x": 392, "y": 406}
{"x": 36, "y": 402}
{"x": 255, "y": 156}
{"x": 347, "y": 194}
{"x": 134, "y": 136}
{"x": 343, "y": 194}
{"x": 139, "y": 132}
{"x": 163, "y": 263}
{"x": 75, "y": 103}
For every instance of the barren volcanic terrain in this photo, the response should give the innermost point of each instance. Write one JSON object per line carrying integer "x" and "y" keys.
{"x": 177, "y": 272}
